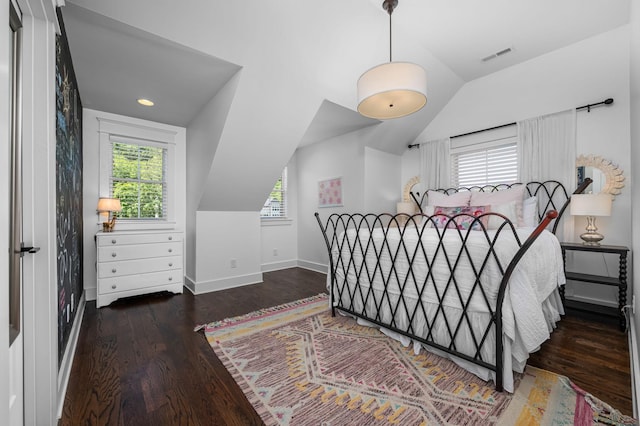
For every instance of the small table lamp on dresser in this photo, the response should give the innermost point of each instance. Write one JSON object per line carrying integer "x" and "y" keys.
{"x": 591, "y": 205}
{"x": 108, "y": 207}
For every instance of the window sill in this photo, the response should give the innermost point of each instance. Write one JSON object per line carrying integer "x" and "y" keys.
{"x": 275, "y": 221}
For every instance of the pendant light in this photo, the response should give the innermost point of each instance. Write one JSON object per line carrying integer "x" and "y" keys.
{"x": 394, "y": 89}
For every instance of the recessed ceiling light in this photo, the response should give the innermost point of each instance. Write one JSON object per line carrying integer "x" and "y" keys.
{"x": 145, "y": 102}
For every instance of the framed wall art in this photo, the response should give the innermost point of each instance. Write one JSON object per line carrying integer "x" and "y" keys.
{"x": 330, "y": 192}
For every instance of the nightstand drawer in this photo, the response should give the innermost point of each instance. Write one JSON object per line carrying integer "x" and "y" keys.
{"x": 139, "y": 266}
{"x": 142, "y": 251}
{"x": 122, "y": 238}
{"x": 132, "y": 282}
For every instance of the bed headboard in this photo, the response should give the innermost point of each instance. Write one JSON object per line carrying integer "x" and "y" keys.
{"x": 550, "y": 194}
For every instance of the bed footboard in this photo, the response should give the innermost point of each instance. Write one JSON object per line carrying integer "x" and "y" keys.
{"x": 441, "y": 286}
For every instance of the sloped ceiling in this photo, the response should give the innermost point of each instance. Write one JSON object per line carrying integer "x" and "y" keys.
{"x": 300, "y": 62}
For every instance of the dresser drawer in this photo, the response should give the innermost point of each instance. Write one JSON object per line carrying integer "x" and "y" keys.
{"x": 121, "y": 238}
{"x": 142, "y": 251}
{"x": 133, "y": 282}
{"x": 139, "y": 266}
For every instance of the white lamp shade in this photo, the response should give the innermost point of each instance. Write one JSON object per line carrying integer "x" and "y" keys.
{"x": 392, "y": 90}
{"x": 109, "y": 205}
{"x": 405, "y": 207}
{"x": 591, "y": 205}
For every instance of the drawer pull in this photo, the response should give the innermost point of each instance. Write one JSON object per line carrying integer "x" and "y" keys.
{"x": 113, "y": 254}
{"x": 113, "y": 241}
{"x": 113, "y": 286}
{"x": 170, "y": 264}
{"x": 170, "y": 278}
{"x": 113, "y": 270}
{"x": 170, "y": 250}
{"x": 170, "y": 238}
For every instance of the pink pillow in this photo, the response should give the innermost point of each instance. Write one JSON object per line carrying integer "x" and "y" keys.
{"x": 435, "y": 198}
{"x": 503, "y": 196}
{"x": 463, "y": 222}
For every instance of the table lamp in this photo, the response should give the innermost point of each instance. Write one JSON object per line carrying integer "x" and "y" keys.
{"x": 591, "y": 205}
{"x": 106, "y": 207}
{"x": 407, "y": 208}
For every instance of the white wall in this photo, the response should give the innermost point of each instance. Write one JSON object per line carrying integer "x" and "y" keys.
{"x": 635, "y": 182}
{"x": 585, "y": 72}
{"x": 279, "y": 238}
{"x": 203, "y": 134}
{"x": 381, "y": 177}
{"x": 91, "y": 184}
{"x": 370, "y": 183}
{"x": 230, "y": 255}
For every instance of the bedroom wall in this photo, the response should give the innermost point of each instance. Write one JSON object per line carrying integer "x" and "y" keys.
{"x": 91, "y": 185}
{"x": 585, "y": 72}
{"x": 370, "y": 180}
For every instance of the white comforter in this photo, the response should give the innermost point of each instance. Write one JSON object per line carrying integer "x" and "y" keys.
{"x": 531, "y": 305}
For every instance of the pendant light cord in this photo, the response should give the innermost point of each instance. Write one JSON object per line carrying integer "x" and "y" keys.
{"x": 389, "y": 5}
{"x": 390, "y": 60}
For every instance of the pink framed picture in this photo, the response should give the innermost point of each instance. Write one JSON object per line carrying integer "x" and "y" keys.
{"x": 330, "y": 192}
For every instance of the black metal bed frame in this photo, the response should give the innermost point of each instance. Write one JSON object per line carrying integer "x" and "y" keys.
{"x": 342, "y": 237}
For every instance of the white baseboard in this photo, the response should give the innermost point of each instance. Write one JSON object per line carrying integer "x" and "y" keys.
{"x": 276, "y": 266}
{"x": 592, "y": 300}
{"x": 634, "y": 359}
{"x": 222, "y": 283}
{"x": 67, "y": 360}
{"x": 313, "y": 266}
{"x": 91, "y": 294}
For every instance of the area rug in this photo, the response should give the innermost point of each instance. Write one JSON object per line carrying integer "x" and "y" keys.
{"x": 298, "y": 365}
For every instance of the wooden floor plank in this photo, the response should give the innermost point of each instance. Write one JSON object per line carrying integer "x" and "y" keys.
{"x": 139, "y": 362}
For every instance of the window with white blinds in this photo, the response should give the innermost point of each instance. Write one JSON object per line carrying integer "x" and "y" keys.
{"x": 139, "y": 180}
{"x": 490, "y": 166}
{"x": 276, "y": 204}
{"x": 485, "y": 158}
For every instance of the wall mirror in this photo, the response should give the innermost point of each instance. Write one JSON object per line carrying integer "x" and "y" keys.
{"x": 414, "y": 185}
{"x": 607, "y": 176}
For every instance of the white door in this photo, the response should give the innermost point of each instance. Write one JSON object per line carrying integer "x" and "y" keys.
{"x": 16, "y": 348}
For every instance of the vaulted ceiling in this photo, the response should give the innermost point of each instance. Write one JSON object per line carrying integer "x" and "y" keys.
{"x": 298, "y": 63}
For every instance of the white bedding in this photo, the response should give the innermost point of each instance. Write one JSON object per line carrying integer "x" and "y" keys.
{"x": 531, "y": 306}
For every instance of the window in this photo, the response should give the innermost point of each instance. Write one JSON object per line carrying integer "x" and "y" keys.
{"x": 489, "y": 159}
{"x": 138, "y": 179}
{"x": 276, "y": 204}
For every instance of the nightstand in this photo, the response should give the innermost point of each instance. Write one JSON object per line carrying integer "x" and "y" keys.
{"x": 620, "y": 281}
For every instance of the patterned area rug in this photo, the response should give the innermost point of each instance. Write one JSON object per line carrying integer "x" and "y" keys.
{"x": 297, "y": 365}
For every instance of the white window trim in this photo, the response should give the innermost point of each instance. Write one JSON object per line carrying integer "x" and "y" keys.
{"x": 112, "y": 130}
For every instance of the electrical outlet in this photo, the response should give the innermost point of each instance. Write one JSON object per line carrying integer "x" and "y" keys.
{"x": 275, "y": 251}
{"x": 234, "y": 263}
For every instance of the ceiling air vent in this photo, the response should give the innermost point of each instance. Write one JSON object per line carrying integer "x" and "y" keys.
{"x": 495, "y": 55}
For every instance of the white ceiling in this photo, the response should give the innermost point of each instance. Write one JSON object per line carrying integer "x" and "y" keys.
{"x": 116, "y": 63}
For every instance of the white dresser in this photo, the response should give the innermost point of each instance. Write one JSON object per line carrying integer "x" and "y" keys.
{"x": 138, "y": 262}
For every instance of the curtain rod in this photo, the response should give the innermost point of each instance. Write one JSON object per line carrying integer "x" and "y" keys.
{"x": 588, "y": 107}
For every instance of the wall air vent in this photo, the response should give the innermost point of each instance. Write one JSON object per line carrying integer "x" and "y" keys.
{"x": 495, "y": 55}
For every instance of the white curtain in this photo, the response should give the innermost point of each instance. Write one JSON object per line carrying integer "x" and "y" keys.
{"x": 435, "y": 161}
{"x": 547, "y": 151}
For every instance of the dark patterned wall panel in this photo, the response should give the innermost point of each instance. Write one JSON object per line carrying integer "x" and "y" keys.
{"x": 68, "y": 190}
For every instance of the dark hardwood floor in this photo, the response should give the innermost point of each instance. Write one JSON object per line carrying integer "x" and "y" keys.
{"x": 139, "y": 362}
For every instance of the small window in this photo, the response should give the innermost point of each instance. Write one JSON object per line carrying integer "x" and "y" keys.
{"x": 139, "y": 180}
{"x": 483, "y": 158}
{"x": 276, "y": 204}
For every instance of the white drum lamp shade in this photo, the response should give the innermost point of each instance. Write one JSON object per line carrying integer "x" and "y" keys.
{"x": 591, "y": 205}
{"x": 406, "y": 208}
{"x": 392, "y": 90}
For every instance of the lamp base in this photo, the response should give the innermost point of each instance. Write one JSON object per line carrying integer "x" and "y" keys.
{"x": 591, "y": 238}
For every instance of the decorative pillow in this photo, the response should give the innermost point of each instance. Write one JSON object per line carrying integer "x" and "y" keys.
{"x": 435, "y": 198}
{"x": 530, "y": 212}
{"x": 463, "y": 222}
{"x": 507, "y": 209}
{"x": 501, "y": 197}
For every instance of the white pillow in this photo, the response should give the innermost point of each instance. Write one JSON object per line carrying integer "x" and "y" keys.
{"x": 530, "y": 212}
{"x": 506, "y": 209}
{"x": 435, "y": 198}
{"x": 503, "y": 196}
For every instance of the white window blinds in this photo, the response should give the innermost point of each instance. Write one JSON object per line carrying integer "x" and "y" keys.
{"x": 139, "y": 179}
{"x": 493, "y": 165}
{"x": 276, "y": 204}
